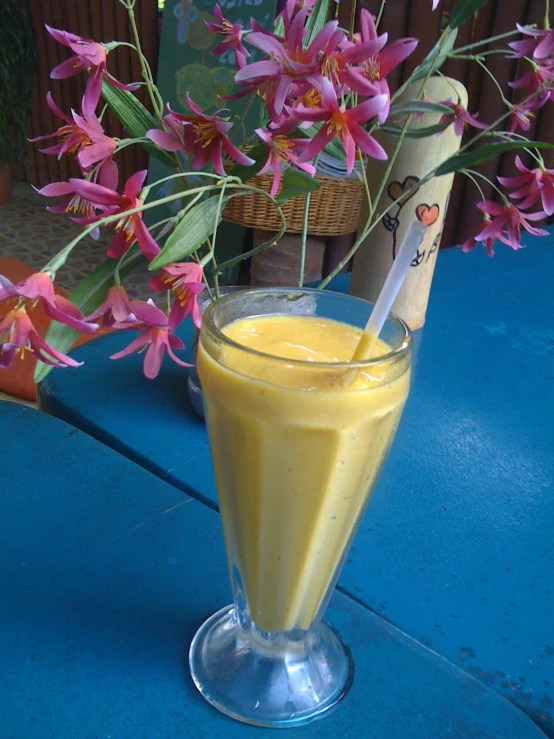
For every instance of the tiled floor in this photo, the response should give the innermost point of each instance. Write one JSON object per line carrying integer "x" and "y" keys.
{"x": 30, "y": 233}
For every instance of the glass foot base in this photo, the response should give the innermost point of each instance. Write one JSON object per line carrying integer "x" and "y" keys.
{"x": 270, "y": 680}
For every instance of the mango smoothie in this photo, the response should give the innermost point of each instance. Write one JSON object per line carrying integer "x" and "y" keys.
{"x": 296, "y": 449}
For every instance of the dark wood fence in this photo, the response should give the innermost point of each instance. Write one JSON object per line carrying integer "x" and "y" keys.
{"x": 106, "y": 19}
{"x": 102, "y": 20}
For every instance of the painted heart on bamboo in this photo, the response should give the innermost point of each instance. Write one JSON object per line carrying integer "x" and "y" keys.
{"x": 396, "y": 189}
{"x": 427, "y": 214}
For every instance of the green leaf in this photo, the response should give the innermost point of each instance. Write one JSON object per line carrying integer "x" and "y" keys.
{"x": 135, "y": 118}
{"x": 464, "y": 10}
{"x": 483, "y": 153}
{"x": 196, "y": 226}
{"x": 295, "y": 183}
{"x": 416, "y": 133}
{"x": 433, "y": 61}
{"x": 417, "y": 106}
{"x": 259, "y": 154}
{"x": 316, "y": 20}
{"x": 87, "y": 297}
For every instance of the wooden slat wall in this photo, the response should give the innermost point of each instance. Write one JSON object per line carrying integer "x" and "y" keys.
{"x": 102, "y": 20}
{"x": 414, "y": 18}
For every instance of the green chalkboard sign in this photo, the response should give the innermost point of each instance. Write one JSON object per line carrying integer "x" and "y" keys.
{"x": 186, "y": 65}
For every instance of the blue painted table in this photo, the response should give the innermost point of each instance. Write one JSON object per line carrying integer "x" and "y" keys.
{"x": 456, "y": 547}
{"x": 101, "y": 593}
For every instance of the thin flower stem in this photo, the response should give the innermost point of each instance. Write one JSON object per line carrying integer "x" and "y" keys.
{"x": 304, "y": 240}
{"x": 212, "y": 248}
{"x": 486, "y": 179}
{"x": 467, "y": 173}
{"x": 487, "y": 41}
{"x": 153, "y": 92}
{"x": 236, "y": 128}
{"x": 364, "y": 179}
{"x": 546, "y": 22}
{"x": 380, "y": 13}
{"x": 494, "y": 80}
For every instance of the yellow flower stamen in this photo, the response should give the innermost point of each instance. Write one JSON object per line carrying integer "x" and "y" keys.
{"x": 372, "y": 68}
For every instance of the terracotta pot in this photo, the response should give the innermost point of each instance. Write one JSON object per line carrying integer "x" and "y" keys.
{"x": 5, "y": 183}
{"x": 428, "y": 204}
{"x": 279, "y": 265}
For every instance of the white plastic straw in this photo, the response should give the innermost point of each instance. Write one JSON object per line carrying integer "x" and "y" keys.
{"x": 393, "y": 283}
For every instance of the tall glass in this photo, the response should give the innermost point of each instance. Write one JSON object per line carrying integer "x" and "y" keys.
{"x": 297, "y": 448}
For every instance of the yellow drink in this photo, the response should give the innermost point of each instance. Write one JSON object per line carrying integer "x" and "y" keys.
{"x": 296, "y": 448}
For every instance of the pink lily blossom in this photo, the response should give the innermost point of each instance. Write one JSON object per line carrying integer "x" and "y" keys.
{"x": 119, "y": 309}
{"x": 185, "y": 280}
{"x": 83, "y": 135}
{"x": 88, "y": 55}
{"x": 505, "y": 223}
{"x": 370, "y": 77}
{"x": 520, "y": 116}
{"x": 128, "y": 227}
{"x": 343, "y": 123}
{"x": 288, "y": 61}
{"x": 460, "y": 117}
{"x": 533, "y": 185}
{"x": 204, "y": 137}
{"x": 232, "y": 33}
{"x": 283, "y": 150}
{"x": 79, "y": 208}
{"x": 540, "y": 45}
{"x": 39, "y": 286}
{"x": 18, "y": 335}
{"x": 156, "y": 339}
{"x": 537, "y": 81}
{"x": 472, "y": 242}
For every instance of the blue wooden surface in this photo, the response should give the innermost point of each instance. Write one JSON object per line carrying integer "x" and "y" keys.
{"x": 101, "y": 591}
{"x": 456, "y": 547}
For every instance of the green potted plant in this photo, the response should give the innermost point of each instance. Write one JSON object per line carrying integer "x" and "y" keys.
{"x": 17, "y": 66}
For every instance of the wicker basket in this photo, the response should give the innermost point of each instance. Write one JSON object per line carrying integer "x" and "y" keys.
{"x": 334, "y": 208}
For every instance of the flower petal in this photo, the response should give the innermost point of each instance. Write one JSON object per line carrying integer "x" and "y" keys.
{"x": 147, "y": 244}
{"x": 166, "y": 141}
{"x": 134, "y": 184}
{"x": 69, "y": 68}
{"x": 93, "y": 90}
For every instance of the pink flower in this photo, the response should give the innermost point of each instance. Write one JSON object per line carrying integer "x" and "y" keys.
{"x": 343, "y": 123}
{"x": 128, "y": 227}
{"x": 472, "y": 242}
{"x": 288, "y": 61}
{"x": 83, "y": 136}
{"x": 79, "y": 208}
{"x": 505, "y": 223}
{"x": 88, "y": 55}
{"x": 370, "y": 77}
{"x": 533, "y": 184}
{"x": 282, "y": 150}
{"x": 185, "y": 279}
{"x": 538, "y": 82}
{"x": 156, "y": 338}
{"x": 18, "y": 335}
{"x": 232, "y": 33}
{"x": 435, "y": 4}
{"x": 203, "y": 137}
{"x": 540, "y": 45}
{"x": 118, "y": 309}
{"x": 521, "y": 115}
{"x": 460, "y": 117}
{"x": 39, "y": 286}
